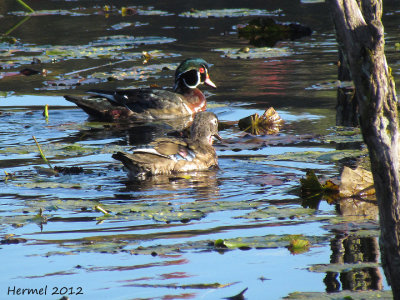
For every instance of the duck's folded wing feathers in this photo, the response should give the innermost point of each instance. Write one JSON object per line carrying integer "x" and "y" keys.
{"x": 139, "y": 100}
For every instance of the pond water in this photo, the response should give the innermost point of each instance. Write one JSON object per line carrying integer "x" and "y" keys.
{"x": 160, "y": 239}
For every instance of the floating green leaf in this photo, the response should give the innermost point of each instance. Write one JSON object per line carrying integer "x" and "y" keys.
{"x": 298, "y": 246}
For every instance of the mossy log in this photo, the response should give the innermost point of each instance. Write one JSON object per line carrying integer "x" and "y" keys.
{"x": 267, "y": 32}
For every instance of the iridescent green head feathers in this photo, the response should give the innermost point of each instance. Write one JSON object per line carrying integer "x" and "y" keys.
{"x": 192, "y": 72}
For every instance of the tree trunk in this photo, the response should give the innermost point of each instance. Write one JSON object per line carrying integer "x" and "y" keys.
{"x": 361, "y": 36}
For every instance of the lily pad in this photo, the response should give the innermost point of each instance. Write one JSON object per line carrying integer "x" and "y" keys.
{"x": 263, "y": 242}
{"x": 141, "y": 73}
{"x": 241, "y": 243}
{"x": 150, "y": 11}
{"x": 123, "y": 25}
{"x": 138, "y": 73}
{"x": 314, "y": 156}
{"x": 343, "y": 135}
{"x": 157, "y": 212}
{"x": 86, "y": 11}
{"x": 45, "y": 184}
{"x": 323, "y": 268}
{"x": 54, "y": 149}
{"x": 174, "y": 286}
{"x": 93, "y": 245}
{"x": 207, "y": 207}
{"x": 39, "y": 13}
{"x": 181, "y": 216}
{"x": 229, "y": 12}
{"x": 254, "y": 53}
{"x": 356, "y": 295}
{"x": 164, "y": 212}
{"x": 280, "y": 213}
{"x": 129, "y": 40}
{"x": 111, "y": 47}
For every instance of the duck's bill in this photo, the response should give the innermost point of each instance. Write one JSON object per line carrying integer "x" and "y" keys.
{"x": 209, "y": 82}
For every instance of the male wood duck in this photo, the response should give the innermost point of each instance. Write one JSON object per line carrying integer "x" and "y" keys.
{"x": 152, "y": 104}
{"x": 167, "y": 156}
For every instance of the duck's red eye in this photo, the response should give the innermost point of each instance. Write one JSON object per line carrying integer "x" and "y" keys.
{"x": 202, "y": 70}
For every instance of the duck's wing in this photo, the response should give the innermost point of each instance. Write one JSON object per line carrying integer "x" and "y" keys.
{"x": 160, "y": 159}
{"x": 163, "y": 150}
{"x": 150, "y": 103}
{"x": 175, "y": 149}
{"x": 170, "y": 148}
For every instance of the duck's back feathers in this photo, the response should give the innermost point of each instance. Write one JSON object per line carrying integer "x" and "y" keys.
{"x": 140, "y": 100}
{"x": 139, "y": 104}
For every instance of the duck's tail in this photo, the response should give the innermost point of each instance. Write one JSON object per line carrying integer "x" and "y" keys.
{"x": 137, "y": 169}
{"x": 95, "y": 107}
{"x": 101, "y": 108}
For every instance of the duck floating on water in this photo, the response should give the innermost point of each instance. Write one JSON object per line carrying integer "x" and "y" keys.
{"x": 151, "y": 104}
{"x": 167, "y": 156}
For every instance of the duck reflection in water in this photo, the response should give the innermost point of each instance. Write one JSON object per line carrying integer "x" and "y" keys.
{"x": 183, "y": 187}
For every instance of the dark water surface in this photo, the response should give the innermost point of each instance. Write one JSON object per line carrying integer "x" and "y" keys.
{"x": 158, "y": 242}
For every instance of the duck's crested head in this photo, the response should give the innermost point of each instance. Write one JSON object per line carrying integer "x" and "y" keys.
{"x": 205, "y": 127}
{"x": 192, "y": 72}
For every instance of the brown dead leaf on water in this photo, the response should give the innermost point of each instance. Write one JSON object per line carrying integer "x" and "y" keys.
{"x": 268, "y": 123}
{"x": 356, "y": 183}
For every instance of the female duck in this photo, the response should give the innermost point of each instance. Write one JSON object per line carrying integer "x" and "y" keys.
{"x": 168, "y": 156}
{"x": 152, "y": 104}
